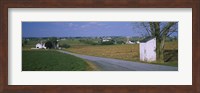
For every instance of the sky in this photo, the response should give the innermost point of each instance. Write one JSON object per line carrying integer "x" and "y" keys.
{"x": 80, "y": 29}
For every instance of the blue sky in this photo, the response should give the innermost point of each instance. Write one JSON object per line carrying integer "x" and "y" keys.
{"x": 80, "y": 29}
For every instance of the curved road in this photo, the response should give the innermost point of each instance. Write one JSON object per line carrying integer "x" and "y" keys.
{"x": 109, "y": 64}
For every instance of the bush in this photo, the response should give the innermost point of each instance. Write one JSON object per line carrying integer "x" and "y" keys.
{"x": 65, "y": 46}
{"x": 25, "y": 42}
{"x": 120, "y": 42}
{"x": 49, "y": 44}
{"x": 107, "y": 43}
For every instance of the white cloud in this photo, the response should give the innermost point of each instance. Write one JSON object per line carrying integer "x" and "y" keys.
{"x": 70, "y": 24}
{"x": 84, "y": 26}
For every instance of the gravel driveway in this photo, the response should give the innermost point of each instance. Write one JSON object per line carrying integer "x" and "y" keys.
{"x": 109, "y": 64}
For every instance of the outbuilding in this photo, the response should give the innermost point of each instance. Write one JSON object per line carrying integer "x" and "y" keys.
{"x": 148, "y": 49}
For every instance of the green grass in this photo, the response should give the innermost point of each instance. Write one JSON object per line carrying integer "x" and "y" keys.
{"x": 123, "y": 52}
{"x": 71, "y": 42}
{"x": 171, "y": 63}
{"x": 51, "y": 60}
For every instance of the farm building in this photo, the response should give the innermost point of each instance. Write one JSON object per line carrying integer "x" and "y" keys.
{"x": 138, "y": 42}
{"x": 128, "y": 40}
{"x": 40, "y": 46}
{"x": 148, "y": 49}
{"x": 106, "y": 39}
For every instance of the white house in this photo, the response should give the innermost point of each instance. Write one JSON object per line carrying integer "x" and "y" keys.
{"x": 40, "y": 46}
{"x": 148, "y": 49}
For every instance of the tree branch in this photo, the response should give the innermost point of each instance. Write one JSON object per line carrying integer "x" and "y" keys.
{"x": 165, "y": 30}
{"x": 148, "y": 31}
{"x": 175, "y": 30}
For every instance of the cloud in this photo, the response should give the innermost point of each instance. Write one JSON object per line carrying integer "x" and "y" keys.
{"x": 70, "y": 24}
{"x": 85, "y": 26}
{"x": 93, "y": 24}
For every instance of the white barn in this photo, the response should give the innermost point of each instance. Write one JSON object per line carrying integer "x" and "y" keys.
{"x": 148, "y": 50}
{"x": 40, "y": 46}
{"x": 106, "y": 39}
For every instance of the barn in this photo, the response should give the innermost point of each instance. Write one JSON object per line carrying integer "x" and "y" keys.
{"x": 148, "y": 49}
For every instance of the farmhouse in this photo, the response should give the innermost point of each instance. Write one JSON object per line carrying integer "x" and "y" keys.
{"x": 148, "y": 49}
{"x": 40, "y": 46}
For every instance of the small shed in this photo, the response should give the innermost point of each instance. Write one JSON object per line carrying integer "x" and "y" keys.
{"x": 148, "y": 49}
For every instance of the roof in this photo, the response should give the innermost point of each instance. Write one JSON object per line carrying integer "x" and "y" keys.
{"x": 147, "y": 39}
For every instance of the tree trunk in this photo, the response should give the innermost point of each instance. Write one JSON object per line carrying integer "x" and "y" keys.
{"x": 159, "y": 50}
{"x": 160, "y": 34}
{"x": 159, "y": 43}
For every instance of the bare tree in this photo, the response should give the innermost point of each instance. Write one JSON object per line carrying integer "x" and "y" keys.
{"x": 160, "y": 30}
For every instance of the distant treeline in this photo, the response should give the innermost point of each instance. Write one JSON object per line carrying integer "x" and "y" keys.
{"x": 53, "y": 41}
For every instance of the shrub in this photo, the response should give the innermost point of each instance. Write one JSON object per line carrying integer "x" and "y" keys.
{"x": 120, "y": 42}
{"x": 65, "y": 46}
{"x": 107, "y": 43}
{"x": 49, "y": 44}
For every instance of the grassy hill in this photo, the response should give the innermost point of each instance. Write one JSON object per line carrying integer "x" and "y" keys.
{"x": 50, "y": 60}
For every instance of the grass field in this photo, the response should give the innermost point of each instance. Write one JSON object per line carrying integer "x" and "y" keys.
{"x": 71, "y": 42}
{"x": 45, "y": 60}
{"x": 126, "y": 52}
{"x": 171, "y": 45}
{"x": 51, "y": 60}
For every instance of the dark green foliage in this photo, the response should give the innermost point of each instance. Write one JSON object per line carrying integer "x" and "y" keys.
{"x": 108, "y": 43}
{"x": 120, "y": 42}
{"x": 49, "y": 45}
{"x": 65, "y": 46}
{"x": 43, "y": 60}
{"x": 25, "y": 42}
{"x": 53, "y": 41}
{"x": 170, "y": 55}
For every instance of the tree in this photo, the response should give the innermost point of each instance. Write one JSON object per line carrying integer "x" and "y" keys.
{"x": 65, "y": 45}
{"x": 160, "y": 30}
{"x": 25, "y": 42}
{"x": 49, "y": 44}
{"x": 54, "y": 42}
